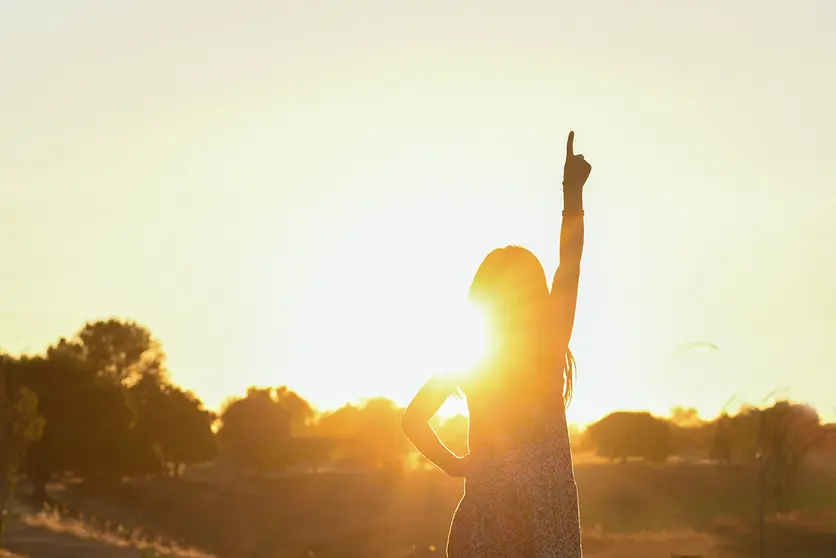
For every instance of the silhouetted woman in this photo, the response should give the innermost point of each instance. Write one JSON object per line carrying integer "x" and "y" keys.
{"x": 520, "y": 495}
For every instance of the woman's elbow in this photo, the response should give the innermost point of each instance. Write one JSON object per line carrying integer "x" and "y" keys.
{"x": 406, "y": 422}
{"x": 410, "y": 424}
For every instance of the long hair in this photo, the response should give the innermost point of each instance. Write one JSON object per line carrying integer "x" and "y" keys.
{"x": 570, "y": 370}
{"x": 510, "y": 286}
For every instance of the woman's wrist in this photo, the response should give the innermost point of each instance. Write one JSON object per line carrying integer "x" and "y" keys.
{"x": 458, "y": 468}
{"x": 573, "y": 200}
{"x": 452, "y": 462}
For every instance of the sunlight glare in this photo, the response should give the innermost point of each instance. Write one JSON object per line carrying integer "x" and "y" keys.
{"x": 465, "y": 340}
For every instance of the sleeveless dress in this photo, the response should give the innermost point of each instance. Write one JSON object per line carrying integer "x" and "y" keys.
{"x": 521, "y": 502}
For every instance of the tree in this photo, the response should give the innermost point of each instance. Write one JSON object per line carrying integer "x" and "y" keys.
{"x": 89, "y": 419}
{"x": 121, "y": 350}
{"x": 20, "y": 424}
{"x": 380, "y": 437}
{"x": 722, "y": 440}
{"x": 110, "y": 410}
{"x": 685, "y": 417}
{"x": 191, "y": 439}
{"x": 579, "y": 439}
{"x": 371, "y": 434}
{"x": 255, "y": 431}
{"x": 341, "y": 423}
{"x": 175, "y": 422}
{"x": 105, "y": 442}
{"x": 744, "y": 431}
{"x": 788, "y": 433}
{"x": 777, "y": 439}
{"x": 301, "y": 411}
{"x": 622, "y": 435}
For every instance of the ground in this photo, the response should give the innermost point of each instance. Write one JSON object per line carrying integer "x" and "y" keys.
{"x": 630, "y": 511}
{"x": 32, "y": 534}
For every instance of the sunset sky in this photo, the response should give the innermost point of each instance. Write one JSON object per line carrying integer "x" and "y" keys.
{"x": 300, "y": 192}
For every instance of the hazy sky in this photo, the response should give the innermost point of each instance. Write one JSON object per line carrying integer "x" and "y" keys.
{"x": 299, "y": 192}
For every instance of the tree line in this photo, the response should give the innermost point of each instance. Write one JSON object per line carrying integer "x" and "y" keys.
{"x": 776, "y": 440}
{"x": 101, "y": 406}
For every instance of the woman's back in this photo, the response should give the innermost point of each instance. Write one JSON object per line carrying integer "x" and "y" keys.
{"x": 520, "y": 496}
{"x": 512, "y": 403}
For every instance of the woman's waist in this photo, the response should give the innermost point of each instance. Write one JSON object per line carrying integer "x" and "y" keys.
{"x": 519, "y": 450}
{"x": 492, "y": 467}
{"x": 503, "y": 433}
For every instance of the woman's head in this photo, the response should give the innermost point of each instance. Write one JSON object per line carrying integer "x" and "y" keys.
{"x": 510, "y": 287}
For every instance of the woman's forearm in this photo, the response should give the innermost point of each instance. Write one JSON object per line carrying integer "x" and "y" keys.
{"x": 572, "y": 228}
{"x": 425, "y": 440}
{"x": 564, "y": 293}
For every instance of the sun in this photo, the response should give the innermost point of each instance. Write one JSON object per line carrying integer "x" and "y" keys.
{"x": 465, "y": 340}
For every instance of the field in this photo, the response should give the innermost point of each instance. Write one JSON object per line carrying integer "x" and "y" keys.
{"x": 631, "y": 510}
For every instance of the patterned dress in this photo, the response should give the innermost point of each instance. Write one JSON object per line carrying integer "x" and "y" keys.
{"x": 520, "y": 502}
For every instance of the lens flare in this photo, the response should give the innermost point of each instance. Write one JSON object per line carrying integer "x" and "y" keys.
{"x": 466, "y": 340}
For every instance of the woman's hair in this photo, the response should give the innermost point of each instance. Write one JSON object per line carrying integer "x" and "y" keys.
{"x": 569, "y": 372}
{"x": 510, "y": 286}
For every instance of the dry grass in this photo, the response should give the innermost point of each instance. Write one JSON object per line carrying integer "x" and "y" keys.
{"x": 628, "y": 511}
{"x": 54, "y": 522}
{"x": 55, "y": 532}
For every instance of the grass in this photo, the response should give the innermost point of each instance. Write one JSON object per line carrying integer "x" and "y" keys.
{"x": 48, "y": 533}
{"x": 118, "y": 536}
{"x": 631, "y": 511}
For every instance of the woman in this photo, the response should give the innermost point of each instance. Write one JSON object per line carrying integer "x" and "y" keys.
{"x": 520, "y": 494}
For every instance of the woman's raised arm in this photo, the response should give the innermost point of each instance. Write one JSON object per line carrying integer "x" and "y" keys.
{"x": 564, "y": 294}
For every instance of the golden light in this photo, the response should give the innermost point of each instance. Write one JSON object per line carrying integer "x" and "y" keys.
{"x": 465, "y": 340}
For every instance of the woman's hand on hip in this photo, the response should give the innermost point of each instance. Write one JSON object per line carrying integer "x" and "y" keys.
{"x": 460, "y": 467}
